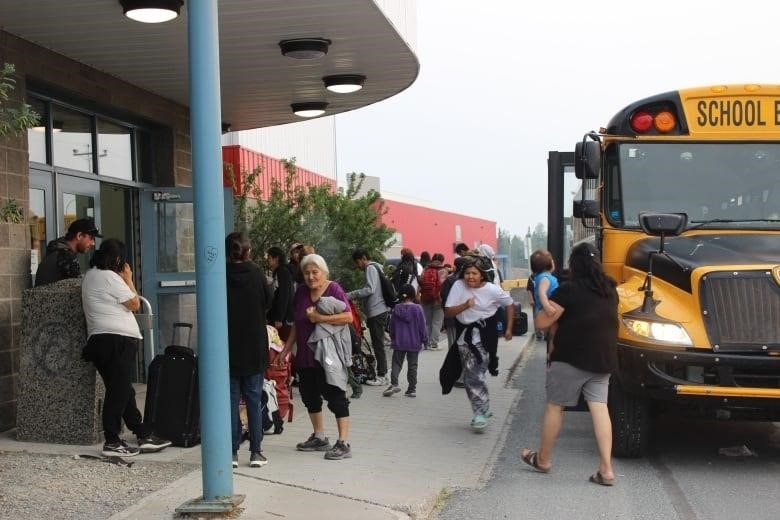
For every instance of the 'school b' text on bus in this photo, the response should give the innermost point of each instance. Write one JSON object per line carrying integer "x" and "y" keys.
{"x": 681, "y": 194}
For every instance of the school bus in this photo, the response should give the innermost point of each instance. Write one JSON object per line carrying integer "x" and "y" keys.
{"x": 681, "y": 194}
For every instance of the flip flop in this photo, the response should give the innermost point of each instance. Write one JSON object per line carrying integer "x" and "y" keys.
{"x": 532, "y": 459}
{"x": 600, "y": 480}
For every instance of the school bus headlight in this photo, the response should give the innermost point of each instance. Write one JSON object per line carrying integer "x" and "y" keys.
{"x": 658, "y": 331}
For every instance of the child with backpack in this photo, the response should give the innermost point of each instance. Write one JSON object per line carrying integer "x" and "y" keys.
{"x": 433, "y": 277}
{"x": 408, "y": 335}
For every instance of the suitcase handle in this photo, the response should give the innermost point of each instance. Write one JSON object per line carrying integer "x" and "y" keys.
{"x": 181, "y": 325}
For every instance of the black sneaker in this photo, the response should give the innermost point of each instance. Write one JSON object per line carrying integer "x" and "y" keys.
{"x": 411, "y": 393}
{"x": 152, "y": 444}
{"x": 257, "y": 460}
{"x": 340, "y": 450}
{"x": 235, "y": 460}
{"x": 119, "y": 449}
{"x": 313, "y": 444}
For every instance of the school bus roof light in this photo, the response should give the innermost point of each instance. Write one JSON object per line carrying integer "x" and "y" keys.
{"x": 641, "y": 121}
{"x": 664, "y": 121}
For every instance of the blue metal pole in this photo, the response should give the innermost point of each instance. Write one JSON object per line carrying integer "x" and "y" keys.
{"x": 205, "y": 125}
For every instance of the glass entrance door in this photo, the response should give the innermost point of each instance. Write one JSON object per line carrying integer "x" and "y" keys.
{"x": 168, "y": 260}
{"x": 54, "y": 205}
{"x": 43, "y": 225}
{"x": 77, "y": 198}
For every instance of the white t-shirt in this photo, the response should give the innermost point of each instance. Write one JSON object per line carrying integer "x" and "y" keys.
{"x": 419, "y": 269}
{"x": 487, "y": 300}
{"x": 102, "y": 294}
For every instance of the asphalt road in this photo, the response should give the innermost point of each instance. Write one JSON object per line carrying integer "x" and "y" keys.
{"x": 683, "y": 478}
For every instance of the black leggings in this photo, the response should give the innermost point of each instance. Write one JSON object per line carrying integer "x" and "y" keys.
{"x": 313, "y": 387}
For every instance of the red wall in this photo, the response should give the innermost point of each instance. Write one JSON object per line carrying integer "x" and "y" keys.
{"x": 243, "y": 161}
{"x": 425, "y": 229}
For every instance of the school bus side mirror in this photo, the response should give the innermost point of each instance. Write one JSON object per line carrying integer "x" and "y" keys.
{"x": 587, "y": 159}
{"x": 663, "y": 224}
{"x": 585, "y": 209}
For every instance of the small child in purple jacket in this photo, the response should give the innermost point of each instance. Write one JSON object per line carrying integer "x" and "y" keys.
{"x": 408, "y": 335}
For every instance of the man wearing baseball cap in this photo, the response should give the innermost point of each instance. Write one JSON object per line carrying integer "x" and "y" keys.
{"x": 61, "y": 260}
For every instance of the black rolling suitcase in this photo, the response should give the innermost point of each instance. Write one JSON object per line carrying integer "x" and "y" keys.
{"x": 520, "y": 325}
{"x": 172, "y": 407}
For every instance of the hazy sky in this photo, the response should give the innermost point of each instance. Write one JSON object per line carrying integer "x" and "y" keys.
{"x": 502, "y": 82}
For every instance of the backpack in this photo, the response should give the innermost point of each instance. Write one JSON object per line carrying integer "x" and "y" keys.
{"x": 404, "y": 273}
{"x": 388, "y": 291}
{"x": 430, "y": 286}
{"x": 445, "y": 288}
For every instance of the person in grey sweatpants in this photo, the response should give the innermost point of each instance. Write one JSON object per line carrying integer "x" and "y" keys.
{"x": 375, "y": 310}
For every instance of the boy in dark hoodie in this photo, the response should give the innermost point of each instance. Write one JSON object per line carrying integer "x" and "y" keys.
{"x": 408, "y": 335}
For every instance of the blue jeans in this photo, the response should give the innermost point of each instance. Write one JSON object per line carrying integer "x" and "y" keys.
{"x": 251, "y": 387}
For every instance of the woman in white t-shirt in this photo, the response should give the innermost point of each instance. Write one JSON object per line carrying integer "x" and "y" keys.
{"x": 109, "y": 299}
{"x": 473, "y": 302}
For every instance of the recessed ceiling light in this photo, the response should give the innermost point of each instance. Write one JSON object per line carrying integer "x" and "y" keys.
{"x": 151, "y": 11}
{"x": 305, "y": 48}
{"x": 344, "y": 83}
{"x": 310, "y": 109}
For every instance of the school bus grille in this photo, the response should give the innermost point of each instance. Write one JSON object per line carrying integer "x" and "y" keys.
{"x": 741, "y": 310}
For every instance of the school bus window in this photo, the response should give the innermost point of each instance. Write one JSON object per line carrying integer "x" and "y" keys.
{"x": 704, "y": 180}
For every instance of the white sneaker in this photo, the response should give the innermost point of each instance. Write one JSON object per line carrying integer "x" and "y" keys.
{"x": 378, "y": 381}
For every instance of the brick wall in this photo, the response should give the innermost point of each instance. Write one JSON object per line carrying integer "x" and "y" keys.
{"x": 86, "y": 86}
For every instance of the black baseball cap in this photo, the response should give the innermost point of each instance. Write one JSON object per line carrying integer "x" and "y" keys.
{"x": 84, "y": 225}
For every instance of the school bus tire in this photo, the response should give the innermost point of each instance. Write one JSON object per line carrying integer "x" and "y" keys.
{"x": 630, "y": 416}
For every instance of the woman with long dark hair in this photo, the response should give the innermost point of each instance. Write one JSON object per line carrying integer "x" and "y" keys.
{"x": 248, "y": 297}
{"x": 584, "y": 356}
{"x": 109, "y": 299}
{"x": 280, "y": 313}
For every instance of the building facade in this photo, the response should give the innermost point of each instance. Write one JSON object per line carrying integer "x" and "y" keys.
{"x": 114, "y": 144}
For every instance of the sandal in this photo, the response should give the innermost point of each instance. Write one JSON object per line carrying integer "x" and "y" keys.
{"x": 532, "y": 459}
{"x": 600, "y": 480}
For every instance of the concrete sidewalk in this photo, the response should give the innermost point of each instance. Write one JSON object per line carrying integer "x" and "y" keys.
{"x": 407, "y": 452}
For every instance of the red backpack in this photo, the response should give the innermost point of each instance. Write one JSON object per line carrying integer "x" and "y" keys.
{"x": 430, "y": 285}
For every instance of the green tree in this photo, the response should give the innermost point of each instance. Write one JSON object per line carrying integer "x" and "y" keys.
{"x": 518, "y": 252}
{"x": 504, "y": 242}
{"x": 538, "y": 238}
{"x": 346, "y": 221}
{"x": 335, "y": 223}
{"x": 17, "y": 117}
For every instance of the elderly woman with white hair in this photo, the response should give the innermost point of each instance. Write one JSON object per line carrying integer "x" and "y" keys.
{"x": 313, "y": 384}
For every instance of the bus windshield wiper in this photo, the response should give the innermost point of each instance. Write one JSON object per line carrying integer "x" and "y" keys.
{"x": 700, "y": 223}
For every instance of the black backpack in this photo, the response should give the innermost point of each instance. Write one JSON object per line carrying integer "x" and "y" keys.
{"x": 404, "y": 274}
{"x": 388, "y": 291}
{"x": 446, "y": 286}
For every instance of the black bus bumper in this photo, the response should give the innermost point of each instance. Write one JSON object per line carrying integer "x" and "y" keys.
{"x": 734, "y": 386}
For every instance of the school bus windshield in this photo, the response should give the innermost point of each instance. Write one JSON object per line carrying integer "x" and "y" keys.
{"x": 737, "y": 185}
